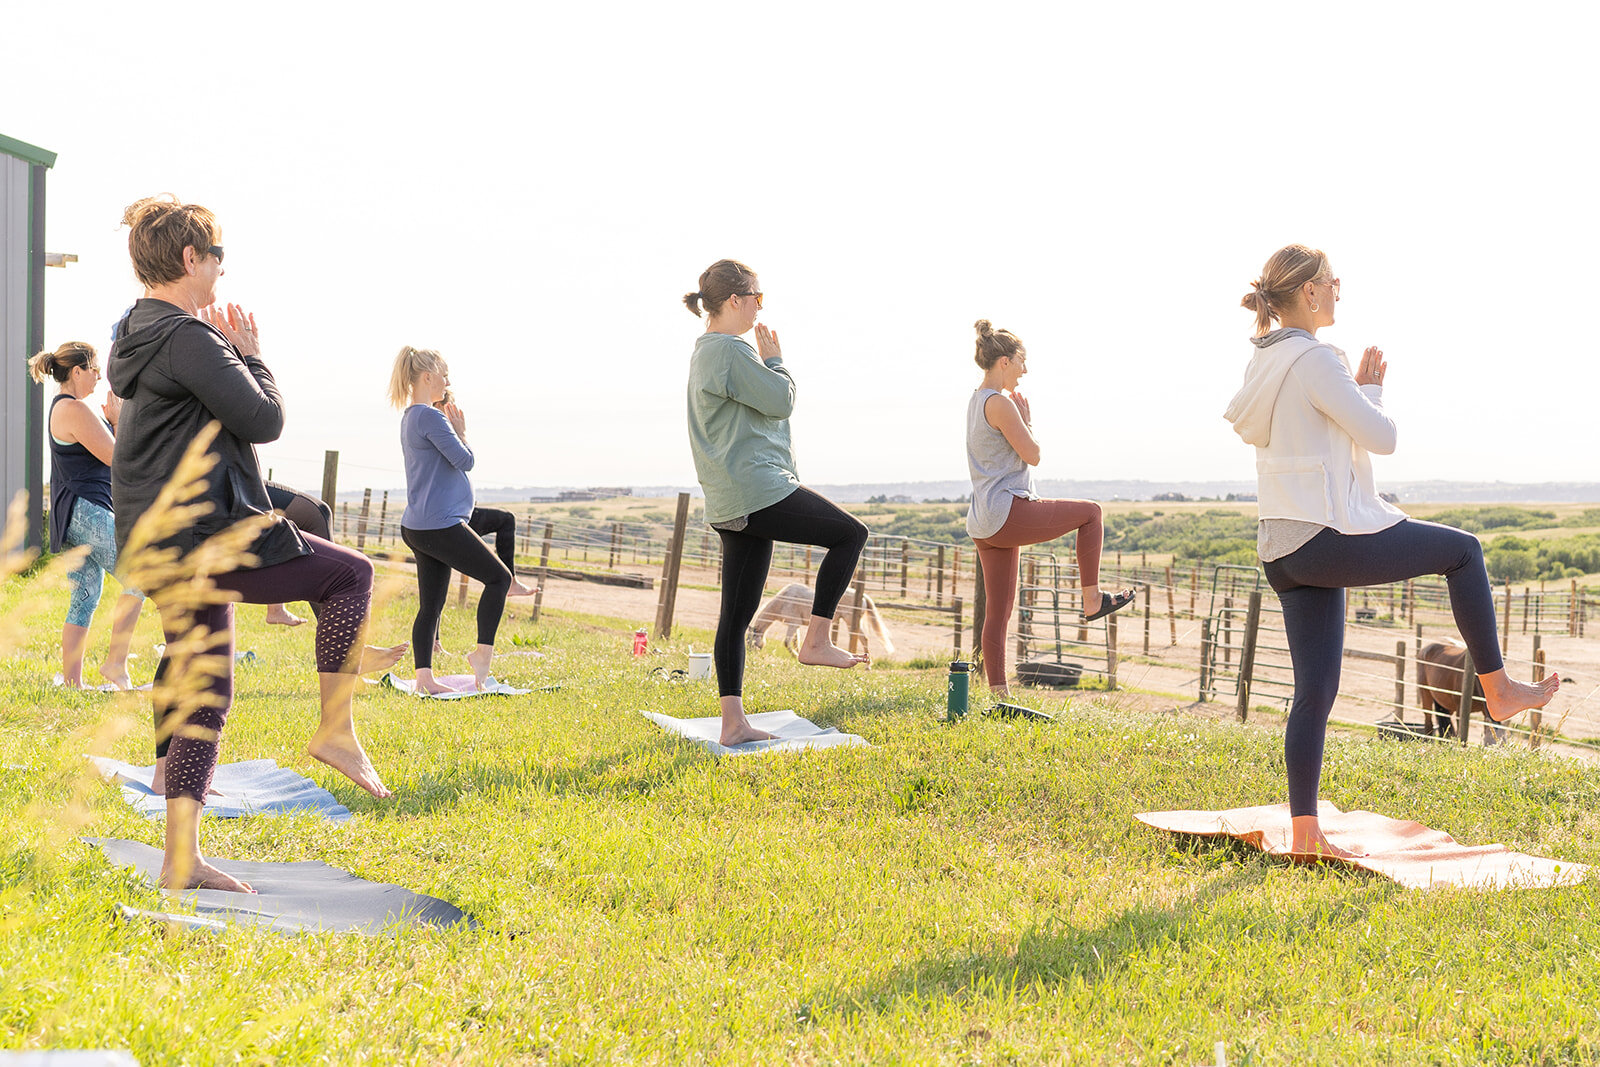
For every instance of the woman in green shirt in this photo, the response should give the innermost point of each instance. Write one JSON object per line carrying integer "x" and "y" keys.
{"x": 739, "y": 406}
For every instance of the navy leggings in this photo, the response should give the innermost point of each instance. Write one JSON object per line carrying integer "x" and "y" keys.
{"x": 801, "y": 518}
{"x": 1310, "y": 582}
{"x": 337, "y": 578}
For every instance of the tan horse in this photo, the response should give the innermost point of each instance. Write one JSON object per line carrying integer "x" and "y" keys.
{"x": 791, "y": 606}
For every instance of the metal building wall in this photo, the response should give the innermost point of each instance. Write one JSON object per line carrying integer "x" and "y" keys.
{"x": 14, "y": 325}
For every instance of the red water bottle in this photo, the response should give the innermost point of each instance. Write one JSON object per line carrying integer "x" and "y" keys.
{"x": 641, "y": 642}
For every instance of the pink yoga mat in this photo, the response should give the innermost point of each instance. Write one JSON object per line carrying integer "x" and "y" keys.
{"x": 1406, "y": 852}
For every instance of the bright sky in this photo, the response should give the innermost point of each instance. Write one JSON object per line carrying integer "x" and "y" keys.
{"x": 531, "y": 188}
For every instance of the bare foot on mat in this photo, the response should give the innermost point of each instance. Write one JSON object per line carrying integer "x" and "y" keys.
{"x": 116, "y": 676}
{"x": 204, "y": 876}
{"x": 742, "y": 732}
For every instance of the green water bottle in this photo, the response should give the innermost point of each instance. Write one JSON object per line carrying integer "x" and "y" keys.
{"x": 956, "y": 691}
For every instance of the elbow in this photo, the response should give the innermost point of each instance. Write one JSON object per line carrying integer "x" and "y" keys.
{"x": 1385, "y": 444}
{"x": 1031, "y": 456}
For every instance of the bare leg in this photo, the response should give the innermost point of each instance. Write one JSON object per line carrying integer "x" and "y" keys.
{"x": 73, "y": 641}
{"x": 1506, "y": 697}
{"x": 736, "y": 728}
{"x": 818, "y": 649}
{"x": 280, "y": 615}
{"x": 1308, "y": 842}
{"x": 1091, "y": 597}
{"x": 478, "y": 659}
{"x": 183, "y": 867}
{"x": 124, "y": 617}
{"x": 377, "y": 658}
{"x": 335, "y": 741}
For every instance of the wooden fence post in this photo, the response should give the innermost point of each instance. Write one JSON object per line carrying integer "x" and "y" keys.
{"x": 1536, "y": 716}
{"x": 669, "y": 571}
{"x": 1469, "y": 678}
{"x": 980, "y": 609}
{"x": 544, "y": 569}
{"x": 855, "y": 608}
{"x": 366, "y": 514}
{"x": 330, "y": 477}
{"x": 1247, "y": 657}
{"x": 461, "y": 591}
{"x": 1194, "y": 587}
{"x": 1111, "y": 652}
{"x": 383, "y": 519}
{"x": 1172, "y": 614}
{"x": 344, "y": 520}
{"x": 1505, "y": 626}
{"x": 905, "y": 565}
{"x": 1400, "y": 681}
{"x": 956, "y": 607}
{"x": 1205, "y": 658}
{"x": 1572, "y": 609}
{"x": 938, "y": 595}
{"x": 1147, "y": 618}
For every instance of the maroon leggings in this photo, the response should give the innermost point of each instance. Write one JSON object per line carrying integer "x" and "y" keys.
{"x": 1031, "y": 522}
{"x": 337, "y": 578}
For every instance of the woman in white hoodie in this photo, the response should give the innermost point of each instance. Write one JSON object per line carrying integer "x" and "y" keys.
{"x": 1323, "y": 526}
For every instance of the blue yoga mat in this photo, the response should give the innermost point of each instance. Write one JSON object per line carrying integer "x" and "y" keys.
{"x": 253, "y": 787}
{"x": 291, "y": 898}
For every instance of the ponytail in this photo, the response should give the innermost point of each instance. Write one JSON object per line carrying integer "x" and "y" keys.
{"x": 62, "y": 362}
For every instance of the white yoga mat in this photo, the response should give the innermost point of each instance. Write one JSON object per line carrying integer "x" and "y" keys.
{"x": 461, "y": 687}
{"x": 792, "y": 733}
{"x": 251, "y": 787}
{"x": 104, "y": 687}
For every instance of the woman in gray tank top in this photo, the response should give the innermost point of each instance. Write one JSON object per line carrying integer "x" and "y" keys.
{"x": 1006, "y": 512}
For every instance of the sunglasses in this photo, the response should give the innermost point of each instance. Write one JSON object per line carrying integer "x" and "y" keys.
{"x": 758, "y": 297}
{"x": 215, "y": 250}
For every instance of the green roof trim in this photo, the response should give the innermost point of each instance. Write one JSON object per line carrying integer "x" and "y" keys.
{"x": 22, "y": 150}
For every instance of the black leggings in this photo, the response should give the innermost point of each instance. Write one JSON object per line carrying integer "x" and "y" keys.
{"x": 801, "y": 518}
{"x": 438, "y": 552}
{"x": 1311, "y": 581}
{"x": 503, "y": 525}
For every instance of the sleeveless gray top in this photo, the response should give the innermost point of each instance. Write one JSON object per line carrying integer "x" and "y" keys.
{"x": 998, "y": 474}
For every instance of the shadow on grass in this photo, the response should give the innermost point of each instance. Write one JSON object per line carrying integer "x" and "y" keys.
{"x": 1059, "y": 954}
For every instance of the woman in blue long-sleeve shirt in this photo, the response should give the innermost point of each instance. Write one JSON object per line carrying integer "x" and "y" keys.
{"x": 438, "y": 508}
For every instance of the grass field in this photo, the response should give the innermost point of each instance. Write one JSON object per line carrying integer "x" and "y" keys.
{"x": 976, "y": 893}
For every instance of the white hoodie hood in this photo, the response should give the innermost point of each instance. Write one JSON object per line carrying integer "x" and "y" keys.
{"x": 1251, "y": 408}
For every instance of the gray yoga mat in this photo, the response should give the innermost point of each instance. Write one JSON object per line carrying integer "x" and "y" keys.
{"x": 293, "y": 898}
{"x": 793, "y": 733}
{"x": 251, "y": 787}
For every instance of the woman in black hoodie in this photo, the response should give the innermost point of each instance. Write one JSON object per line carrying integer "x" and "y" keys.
{"x": 180, "y": 364}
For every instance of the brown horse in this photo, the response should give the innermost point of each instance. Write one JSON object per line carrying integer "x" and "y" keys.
{"x": 1439, "y": 690}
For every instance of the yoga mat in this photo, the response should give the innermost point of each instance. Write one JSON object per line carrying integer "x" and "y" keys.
{"x": 104, "y": 687}
{"x": 296, "y": 897}
{"x": 1408, "y": 853}
{"x": 253, "y": 787}
{"x": 461, "y": 687}
{"x": 793, "y": 733}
